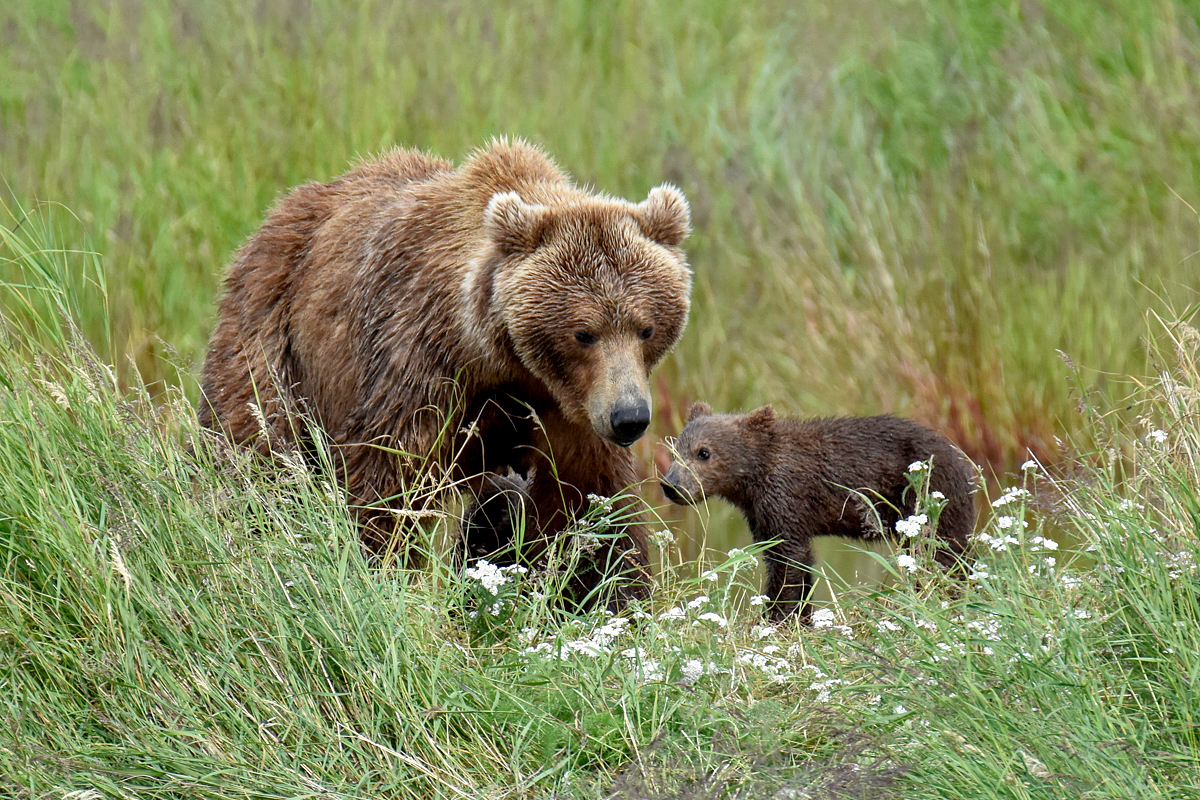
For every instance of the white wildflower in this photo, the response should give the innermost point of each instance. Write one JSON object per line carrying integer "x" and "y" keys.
{"x": 772, "y": 665}
{"x": 899, "y": 710}
{"x": 1029, "y": 465}
{"x": 822, "y": 688}
{"x": 979, "y": 573}
{"x": 692, "y": 670}
{"x": 912, "y": 526}
{"x": 588, "y": 542}
{"x": 905, "y": 561}
{"x": 709, "y": 576}
{"x": 697, "y": 602}
{"x": 738, "y": 553}
{"x": 886, "y": 625}
{"x": 1081, "y": 613}
{"x": 662, "y": 539}
{"x": 673, "y": 613}
{"x": 491, "y": 576}
{"x": 1009, "y": 496}
{"x": 937, "y": 495}
{"x": 916, "y": 466}
{"x": 1157, "y": 436}
{"x": 603, "y": 502}
{"x": 823, "y": 618}
{"x": 611, "y": 629}
{"x": 586, "y": 647}
{"x": 759, "y": 599}
{"x": 762, "y": 631}
{"x": 709, "y": 616}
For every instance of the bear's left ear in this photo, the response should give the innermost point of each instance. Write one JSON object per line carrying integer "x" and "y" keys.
{"x": 664, "y": 216}
{"x": 761, "y": 417}
{"x": 698, "y": 410}
{"x": 516, "y": 226}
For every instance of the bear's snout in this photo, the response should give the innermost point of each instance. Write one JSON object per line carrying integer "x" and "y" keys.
{"x": 674, "y": 486}
{"x": 629, "y": 423}
{"x": 673, "y": 494}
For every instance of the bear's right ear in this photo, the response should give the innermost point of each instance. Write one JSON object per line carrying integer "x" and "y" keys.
{"x": 516, "y": 226}
{"x": 761, "y": 417}
{"x": 699, "y": 410}
{"x": 664, "y": 216}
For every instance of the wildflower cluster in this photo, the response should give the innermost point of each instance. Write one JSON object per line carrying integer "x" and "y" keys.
{"x": 490, "y": 592}
{"x": 924, "y": 519}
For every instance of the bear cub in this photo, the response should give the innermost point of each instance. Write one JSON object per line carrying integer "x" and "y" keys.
{"x": 795, "y": 479}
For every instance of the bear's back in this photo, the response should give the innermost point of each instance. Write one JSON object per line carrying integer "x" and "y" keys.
{"x": 870, "y": 452}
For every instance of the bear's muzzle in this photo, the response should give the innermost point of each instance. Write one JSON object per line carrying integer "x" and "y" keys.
{"x": 629, "y": 423}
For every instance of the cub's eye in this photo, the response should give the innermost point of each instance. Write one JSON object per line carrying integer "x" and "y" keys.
{"x": 647, "y": 332}
{"x": 584, "y": 338}
{"x": 703, "y": 454}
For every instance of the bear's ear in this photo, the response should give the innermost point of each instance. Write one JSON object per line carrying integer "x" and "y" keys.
{"x": 516, "y": 226}
{"x": 761, "y": 418}
{"x": 698, "y": 410}
{"x": 664, "y": 216}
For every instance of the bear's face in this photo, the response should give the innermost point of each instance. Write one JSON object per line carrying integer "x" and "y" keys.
{"x": 718, "y": 455}
{"x": 591, "y": 297}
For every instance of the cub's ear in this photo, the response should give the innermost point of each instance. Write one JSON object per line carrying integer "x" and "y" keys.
{"x": 698, "y": 410}
{"x": 516, "y": 226}
{"x": 761, "y": 417}
{"x": 664, "y": 216}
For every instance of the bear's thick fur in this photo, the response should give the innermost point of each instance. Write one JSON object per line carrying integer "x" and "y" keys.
{"x": 796, "y": 479}
{"x": 439, "y": 324}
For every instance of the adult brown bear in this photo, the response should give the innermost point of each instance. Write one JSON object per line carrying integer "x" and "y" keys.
{"x": 441, "y": 324}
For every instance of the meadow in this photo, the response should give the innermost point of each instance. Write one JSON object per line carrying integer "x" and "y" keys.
{"x": 979, "y": 215}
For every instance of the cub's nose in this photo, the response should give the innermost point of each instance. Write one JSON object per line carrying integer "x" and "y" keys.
{"x": 629, "y": 423}
{"x": 673, "y": 494}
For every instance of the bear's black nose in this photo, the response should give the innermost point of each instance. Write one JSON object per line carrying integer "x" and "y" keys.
{"x": 629, "y": 423}
{"x": 672, "y": 493}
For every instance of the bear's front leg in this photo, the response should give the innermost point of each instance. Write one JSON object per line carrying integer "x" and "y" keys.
{"x": 572, "y": 466}
{"x": 500, "y": 517}
{"x": 790, "y": 580}
{"x": 560, "y": 503}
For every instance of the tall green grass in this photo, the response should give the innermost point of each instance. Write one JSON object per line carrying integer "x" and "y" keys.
{"x": 898, "y": 207}
{"x": 180, "y": 620}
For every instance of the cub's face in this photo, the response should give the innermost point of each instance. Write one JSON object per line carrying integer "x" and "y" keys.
{"x": 595, "y": 296}
{"x": 717, "y": 455}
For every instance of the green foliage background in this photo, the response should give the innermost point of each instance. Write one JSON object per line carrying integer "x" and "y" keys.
{"x": 955, "y": 210}
{"x": 901, "y": 207}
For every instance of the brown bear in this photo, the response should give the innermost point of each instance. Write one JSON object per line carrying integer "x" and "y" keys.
{"x": 796, "y": 479}
{"x": 435, "y": 324}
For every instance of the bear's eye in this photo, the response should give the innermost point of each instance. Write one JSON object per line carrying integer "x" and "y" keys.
{"x": 647, "y": 332}
{"x": 703, "y": 454}
{"x": 584, "y": 338}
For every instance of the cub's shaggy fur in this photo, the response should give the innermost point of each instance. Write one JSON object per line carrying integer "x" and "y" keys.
{"x": 796, "y": 479}
{"x": 440, "y": 324}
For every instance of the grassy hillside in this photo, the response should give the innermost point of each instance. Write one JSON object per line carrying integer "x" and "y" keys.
{"x": 972, "y": 213}
{"x": 178, "y": 622}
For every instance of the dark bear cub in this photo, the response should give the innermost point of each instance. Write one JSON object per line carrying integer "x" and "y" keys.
{"x": 795, "y": 479}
